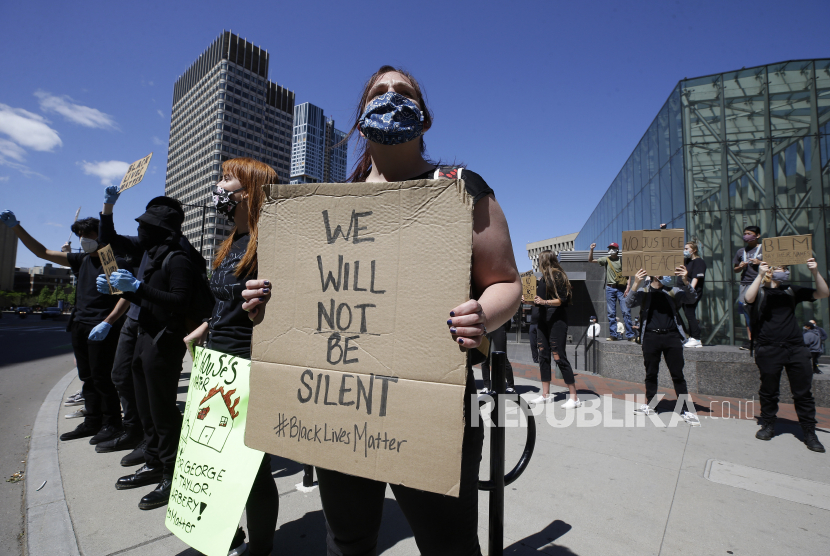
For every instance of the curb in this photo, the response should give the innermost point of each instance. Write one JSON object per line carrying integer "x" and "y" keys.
{"x": 49, "y": 528}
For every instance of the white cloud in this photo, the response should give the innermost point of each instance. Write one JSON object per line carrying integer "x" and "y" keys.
{"x": 55, "y": 224}
{"x": 158, "y": 141}
{"x": 151, "y": 83}
{"x": 4, "y": 178}
{"x": 106, "y": 170}
{"x": 160, "y": 113}
{"x": 83, "y": 115}
{"x": 9, "y": 150}
{"x": 27, "y": 129}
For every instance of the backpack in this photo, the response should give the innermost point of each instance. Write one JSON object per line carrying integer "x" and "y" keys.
{"x": 200, "y": 306}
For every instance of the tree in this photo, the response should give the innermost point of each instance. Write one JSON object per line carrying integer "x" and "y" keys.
{"x": 44, "y": 297}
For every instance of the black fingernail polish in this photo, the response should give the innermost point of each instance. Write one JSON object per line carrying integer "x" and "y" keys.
{"x": 262, "y": 299}
{"x": 267, "y": 283}
{"x": 461, "y": 341}
{"x": 449, "y": 321}
{"x": 452, "y": 330}
{"x": 265, "y": 290}
{"x": 452, "y": 313}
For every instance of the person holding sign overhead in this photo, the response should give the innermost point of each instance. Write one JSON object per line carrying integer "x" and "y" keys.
{"x": 660, "y": 334}
{"x": 617, "y": 288}
{"x": 780, "y": 346}
{"x": 102, "y": 415}
{"x": 746, "y": 263}
{"x": 391, "y": 118}
{"x": 239, "y": 198}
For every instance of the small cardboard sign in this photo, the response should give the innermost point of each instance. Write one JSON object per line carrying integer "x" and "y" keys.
{"x": 109, "y": 265}
{"x": 528, "y": 286}
{"x": 787, "y": 250}
{"x": 135, "y": 173}
{"x": 659, "y": 252}
{"x": 353, "y": 367}
{"x": 214, "y": 469}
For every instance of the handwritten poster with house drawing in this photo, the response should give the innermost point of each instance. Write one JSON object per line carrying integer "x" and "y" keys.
{"x": 214, "y": 469}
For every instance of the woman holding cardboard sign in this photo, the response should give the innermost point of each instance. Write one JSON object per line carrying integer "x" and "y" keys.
{"x": 239, "y": 197}
{"x": 778, "y": 344}
{"x": 391, "y": 118}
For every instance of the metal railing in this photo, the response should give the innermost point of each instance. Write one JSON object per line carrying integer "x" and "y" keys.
{"x": 590, "y": 353}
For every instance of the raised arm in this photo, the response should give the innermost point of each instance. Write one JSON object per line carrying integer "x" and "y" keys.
{"x": 126, "y": 245}
{"x": 821, "y": 285}
{"x": 31, "y": 243}
{"x": 591, "y": 253}
{"x": 752, "y": 291}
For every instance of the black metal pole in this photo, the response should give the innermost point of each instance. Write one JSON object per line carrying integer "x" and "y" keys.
{"x": 498, "y": 360}
{"x": 202, "y": 240}
{"x": 308, "y": 476}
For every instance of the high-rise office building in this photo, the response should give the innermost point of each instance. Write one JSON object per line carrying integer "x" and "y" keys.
{"x": 224, "y": 106}
{"x": 8, "y": 256}
{"x": 318, "y": 151}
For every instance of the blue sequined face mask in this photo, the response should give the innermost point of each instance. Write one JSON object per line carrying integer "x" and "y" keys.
{"x": 391, "y": 119}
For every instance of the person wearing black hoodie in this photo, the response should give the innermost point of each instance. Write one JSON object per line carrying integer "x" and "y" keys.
{"x": 133, "y": 437}
{"x": 163, "y": 294}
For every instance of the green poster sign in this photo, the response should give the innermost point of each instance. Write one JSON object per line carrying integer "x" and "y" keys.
{"x": 214, "y": 469}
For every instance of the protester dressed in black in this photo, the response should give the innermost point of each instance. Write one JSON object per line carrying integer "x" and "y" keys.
{"x": 553, "y": 295}
{"x": 229, "y": 329}
{"x": 102, "y": 411}
{"x": 353, "y": 506}
{"x": 661, "y": 336}
{"x": 163, "y": 296}
{"x": 778, "y": 344}
{"x": 696, "y": 268}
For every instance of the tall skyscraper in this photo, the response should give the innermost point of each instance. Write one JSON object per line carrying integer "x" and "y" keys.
{"x": 224, "y": 106}
{"x": 317, "y": 156}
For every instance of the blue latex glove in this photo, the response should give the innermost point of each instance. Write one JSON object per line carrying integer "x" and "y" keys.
{"x": 8, "y": 218}
{"x": 124, "y": 280}
{"x": 111, "y": 194}
{"x": 101, "y": 283}
{"x": 100, "y": 332}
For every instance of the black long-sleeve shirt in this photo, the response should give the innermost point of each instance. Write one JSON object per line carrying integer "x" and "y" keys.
{"x": 165, "y": 295}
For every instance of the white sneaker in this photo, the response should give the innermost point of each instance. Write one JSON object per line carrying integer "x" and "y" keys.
{"x": 571, "y": 404}
{"x": 645, "y": 410}
{"x": 690, "y": 418}
{"x": 80, "y": 413}
{"x": 542, "y": 400}
{"x": 692, "y": 343}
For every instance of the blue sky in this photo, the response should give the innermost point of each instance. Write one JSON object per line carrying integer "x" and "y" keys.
{"x": 545, "y": 100}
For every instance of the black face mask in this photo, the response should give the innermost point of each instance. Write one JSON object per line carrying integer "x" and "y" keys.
{"x": 150, "y": 236}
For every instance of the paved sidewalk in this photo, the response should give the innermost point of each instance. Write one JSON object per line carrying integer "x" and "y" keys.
{"x": 591, "y": 488}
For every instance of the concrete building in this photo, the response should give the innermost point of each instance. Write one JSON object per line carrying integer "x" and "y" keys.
{"x": 555, "y": 244}
{"x": 317, "y": 155}
{"x": 224, "y": 106}
{"x": 33, "y": 279}
{"x": 729, "y": 150}
{"x": 8, "y": 256}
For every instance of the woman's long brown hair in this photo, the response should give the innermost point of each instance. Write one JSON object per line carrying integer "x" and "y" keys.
{"x": 252, "y": 175}
{"x": 551, "y": 270}
{"x": 363, "y": 166}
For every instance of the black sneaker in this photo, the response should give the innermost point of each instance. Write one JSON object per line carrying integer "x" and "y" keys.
{"x": 510, "y": 390}
{"x": 81, "y": 431}
{"x": 126, "y": 440}
{"x": 107, "y": 432}
{"x": 766, "y": 432}
{"x": 812, "y": 442}
{"x": 136, "y": 457}
{"x": 744, "y": 346}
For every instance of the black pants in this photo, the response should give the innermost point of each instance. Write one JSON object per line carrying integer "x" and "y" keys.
{"x": 498, "y": 342}
{"x": 552, "y": 338}
{"x": 122, "y": 373}
{"x": 443, "y": 525}
{"x": 94, "y": 360}
{"x": 670, "y": 347}
{"x": 156, "y": 370}
{"x": 262, "y": 509}
{"x": 691, "y": 316}
{"x": 815, "y": 355}
{"x": 534, "y": 347}
{"x": 771, "y": 360}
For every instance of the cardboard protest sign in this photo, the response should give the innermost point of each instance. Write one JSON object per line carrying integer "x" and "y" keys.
{"x": 77, "y": 212}
{"x": 787, "y": 250}
{"x": 528, "y": 286}
{"x": 135, "y": 173}
{"x": 353, "y": 368}
{"x": 214, "y": 469}
{"x": 109, "y": 265}
{"x": 659, "y": 252}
